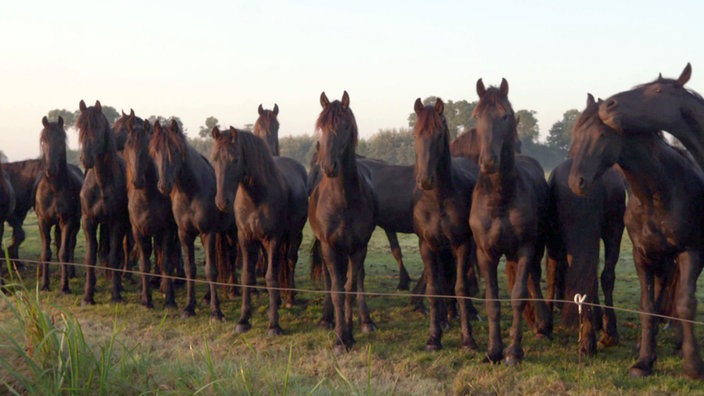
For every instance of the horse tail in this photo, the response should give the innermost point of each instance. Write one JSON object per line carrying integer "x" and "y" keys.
{"x": 316, "y": 261}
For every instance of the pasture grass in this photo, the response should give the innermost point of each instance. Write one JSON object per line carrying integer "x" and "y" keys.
{"x": 52, "y": 345}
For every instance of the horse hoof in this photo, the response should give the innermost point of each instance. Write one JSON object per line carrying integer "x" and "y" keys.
{"x": 607, "y": 340}
{"x": 170, "y": 305}
{"x": 44, "y": 288}
{"x": 433, "y": 345}
{"x": 512, "y": 361}
{"x": 242, "y": 328}
{"x": 188, "y": 313}
{"x": 87, "y": 301}
{"x": 493, "y": 358}
{"x": 147, "y": 304}
{"x": 368, "y": 328}
{"x": 217, "y": 316}
{"x": 325, "y": 324}
{"x": 639, "y": 372}
{"x": 339, "y": 349}
{"x": 274, "y": 331}
{"x": 470, "y": 346}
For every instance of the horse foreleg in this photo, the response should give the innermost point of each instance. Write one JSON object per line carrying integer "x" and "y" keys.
{"x": 366, "y": 322}
{"x": 272, "y": 284}
{"x": 90, "y": 229}
{"x": 45, "y": 234}
{"x": 18, "y": 236}
{"x": 335, "y": 267}
{"x": 168, "y": 257}
{"x": 211, "y": 273}
{"x": 433, "y": 288}
{"x": 489, "y": 267}
{"x": 65, "y": 255}
{"x": 190, "y": 268}
{"x": 249, "y": 251}
{"x": 117, "y": 233}
{"x": 519, "y": 293}
{"x": 462, "y": 268}
{"x": 690, "y": 267}
{"x": 609, "y": 335}
{"x": 144, "y": 245}
{"x": 649, "y": 323}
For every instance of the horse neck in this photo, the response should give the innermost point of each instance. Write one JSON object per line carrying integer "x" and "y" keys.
{"x": 692, "y": 124}
{"x": 642, "y": 165}
{"x": 61, "y": 177}
{"x": 191, "y": 179}
{"x": 107, "y": 166}
{"x": 501, "y": 184}
{"x": 443, "y": 173}
{"x": 259, "y": 181}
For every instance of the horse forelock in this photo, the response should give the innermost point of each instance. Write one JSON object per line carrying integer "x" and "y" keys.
{"x": 52, "y": 133}
{"x": 167, "y": 143}
{"x": 333, "y": 116}
{"x": 90, "y": 121}
{"x": 266, "y": 122}
{"x": 430, "y": 122}
{"x": 492, "y": 99}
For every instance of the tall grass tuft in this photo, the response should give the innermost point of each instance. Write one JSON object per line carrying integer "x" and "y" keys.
{"x": 52, "y": 356}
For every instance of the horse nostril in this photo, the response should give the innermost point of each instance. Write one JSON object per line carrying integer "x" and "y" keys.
{"x": 582, "y": 183}
{"x": 611, "y": 103}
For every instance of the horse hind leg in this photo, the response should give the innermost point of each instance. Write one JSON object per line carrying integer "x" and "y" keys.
{"x": 404, "y": 279}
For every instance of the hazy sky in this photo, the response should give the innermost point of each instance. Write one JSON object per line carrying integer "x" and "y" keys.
{"x": 224, "y": 58}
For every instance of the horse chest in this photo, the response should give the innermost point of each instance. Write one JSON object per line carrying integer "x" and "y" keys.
{"x": 441, "y": 223}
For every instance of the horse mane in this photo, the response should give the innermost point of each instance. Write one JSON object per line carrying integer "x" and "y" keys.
{"x": 259, "y": 159}
{"x": 91, "y": 119}
{"x": 663, "y": 80}
{"x": 332, "y": 115}
{"x": 430, "y": 121}
{"x": 162, "y": 139}
{"x": 492, "y": 98}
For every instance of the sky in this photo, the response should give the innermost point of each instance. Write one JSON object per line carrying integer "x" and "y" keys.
{"x": 224, "y": 58}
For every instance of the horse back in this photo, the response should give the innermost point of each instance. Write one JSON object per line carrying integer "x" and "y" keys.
{"x": 23, "y": 176}
{"x": 394, "y": 186}
{"x": 295, "y": 177}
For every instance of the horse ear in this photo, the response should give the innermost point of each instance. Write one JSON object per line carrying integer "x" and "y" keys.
{"x": 276, "y": 109}
{"x": 233, "y": 134}
{"x": 504, "y": 87}
{"x": 45, "y": 122}
{"x": 157, "y": 126}
{"x": 324, "y": 101}
{"x": 60, "y": 121}
{"x": 131, "y": 112}
{"x": 215, "y": 132}
{"x": 260, "y": 110}
{"x": 418, "y": 106}
{"x": 82, "y": 106}
{"x": 684, "y": 77}
{"x": 439, "y": 106}
{"x": 481, "y": 90}
{"x": 345, "y": 100}
{"x": 174, "y": 125}
{"x": 98, "y": 106}
{"x": 147, "y": 127}
{"x": 123, "y": 113}
{"x": 590, "y": 100}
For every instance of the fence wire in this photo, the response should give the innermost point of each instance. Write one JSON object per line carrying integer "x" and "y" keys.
{"x": 366, "y": 293}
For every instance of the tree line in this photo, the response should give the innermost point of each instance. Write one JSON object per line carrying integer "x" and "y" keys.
{"x": 392, "y": 145}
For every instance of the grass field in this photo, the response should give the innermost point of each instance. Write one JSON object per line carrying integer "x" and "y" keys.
{"x": 52, "y": 345}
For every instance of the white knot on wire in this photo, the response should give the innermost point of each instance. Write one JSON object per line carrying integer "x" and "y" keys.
{"x": 579, "y": 299}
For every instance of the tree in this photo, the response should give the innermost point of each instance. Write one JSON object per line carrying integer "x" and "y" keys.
{"x": 528, "y": 130}
{"x": 69, "y": 117}
{"x": 210, "y": 123}
{"x": 300, "y": 148}
{"x": 560, "y": 135}
{"x": 458, "y": 115}
{"x": 391, "y": 145}
{"x": 3, "y": 157}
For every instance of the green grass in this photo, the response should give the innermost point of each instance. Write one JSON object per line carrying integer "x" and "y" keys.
{"x": 52, "y": 345}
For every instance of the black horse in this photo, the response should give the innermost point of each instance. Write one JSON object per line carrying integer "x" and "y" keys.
{"x": 270, "y": 199}
{"x": 509, "y": 205}
{"x": 576, "y": 225}
{"x": 103, "y": 198}
{"x": 664, "y": 218}
{"x": 342, "y": 211}
{"x": 441, "y": 207}
{"x": 57, "y": 201}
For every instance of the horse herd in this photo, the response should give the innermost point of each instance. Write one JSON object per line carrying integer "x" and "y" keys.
{"x": 470, "y": 201}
